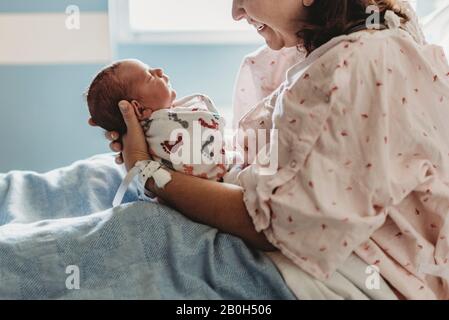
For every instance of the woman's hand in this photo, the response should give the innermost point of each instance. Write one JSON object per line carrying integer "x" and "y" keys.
{"x": 114, "y": 145}
{"x": 134, "y": 146}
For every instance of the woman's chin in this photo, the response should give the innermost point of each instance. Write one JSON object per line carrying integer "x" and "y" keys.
{"x": 272, "y": 40}
{"x": 276, "y": 40}
{"x": 281, "y": 44}
{"x": 274, "y": 44}
{"x": 274, "y": 47}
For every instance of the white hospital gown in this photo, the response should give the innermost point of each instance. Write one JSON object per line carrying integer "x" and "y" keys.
{"x": 363, "y": 161}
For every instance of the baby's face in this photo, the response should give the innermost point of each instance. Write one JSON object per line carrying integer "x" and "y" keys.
{"x": 151, "y": 87}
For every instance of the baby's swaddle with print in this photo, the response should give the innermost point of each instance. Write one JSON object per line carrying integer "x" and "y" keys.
{"x": 192, "y": 125}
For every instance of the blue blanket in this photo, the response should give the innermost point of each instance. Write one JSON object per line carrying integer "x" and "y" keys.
{"x": 60, "y": 239}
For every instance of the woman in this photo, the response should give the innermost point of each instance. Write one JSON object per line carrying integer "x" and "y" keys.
{"x": 363, "y": 152}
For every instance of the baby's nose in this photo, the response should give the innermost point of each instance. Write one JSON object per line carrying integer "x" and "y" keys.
{"x": 159, "y": 72}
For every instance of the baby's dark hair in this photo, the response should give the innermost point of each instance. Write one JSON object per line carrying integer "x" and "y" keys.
{"x": 103, "y": 96}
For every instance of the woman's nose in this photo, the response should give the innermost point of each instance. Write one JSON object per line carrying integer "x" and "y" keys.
{"x": 238, "y": 12}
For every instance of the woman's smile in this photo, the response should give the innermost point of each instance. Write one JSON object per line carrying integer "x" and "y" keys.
{"x": 256, "y": 24}
{"x": 276, "y": 21}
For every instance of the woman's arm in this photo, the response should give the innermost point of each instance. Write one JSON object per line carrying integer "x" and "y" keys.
{"x": 212, "y": 203}
{"x": 218, "y": 205}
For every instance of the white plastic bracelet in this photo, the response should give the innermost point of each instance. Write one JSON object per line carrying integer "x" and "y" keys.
{"x": 146, "y": 170}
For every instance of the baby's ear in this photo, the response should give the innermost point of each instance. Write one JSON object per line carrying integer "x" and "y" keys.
{"x": 141, "y": 112}
{"x": 138, "y": 109}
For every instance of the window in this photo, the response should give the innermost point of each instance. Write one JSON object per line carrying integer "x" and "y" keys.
{"x": 425, "y": 8}
{"x": 210, "y": 21}
{"x": 180, "y": 21}
{"x": 435, "y": 19}
{"x": 190, "y": 15}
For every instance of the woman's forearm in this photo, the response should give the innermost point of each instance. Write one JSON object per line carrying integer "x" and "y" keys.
{"x": 216, "y": 204}
{"x": 219, "y": 205}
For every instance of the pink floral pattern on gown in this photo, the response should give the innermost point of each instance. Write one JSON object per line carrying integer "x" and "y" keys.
{"x": 363, "y": 157}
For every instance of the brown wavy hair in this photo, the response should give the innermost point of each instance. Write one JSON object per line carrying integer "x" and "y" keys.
{"x": 103, "y": 96}
{"x": 327, "y": 19}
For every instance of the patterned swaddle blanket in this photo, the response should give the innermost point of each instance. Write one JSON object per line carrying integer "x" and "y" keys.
{"x": 191, "y": 120}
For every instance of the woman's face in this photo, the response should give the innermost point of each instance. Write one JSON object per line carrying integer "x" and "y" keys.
{"x": 278, "y": 21}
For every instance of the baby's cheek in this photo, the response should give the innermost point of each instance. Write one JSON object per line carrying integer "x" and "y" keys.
{"x": 166, "y": 98}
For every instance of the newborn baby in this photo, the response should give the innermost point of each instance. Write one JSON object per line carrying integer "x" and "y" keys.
{"x": 150, "y": 93}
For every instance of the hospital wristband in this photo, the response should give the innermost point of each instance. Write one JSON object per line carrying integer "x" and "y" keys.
{"x": 153, "y": 169}
{"x": 146, "y": 170}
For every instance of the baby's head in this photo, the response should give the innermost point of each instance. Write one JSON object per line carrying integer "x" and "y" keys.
{"x": 146, "y": 89}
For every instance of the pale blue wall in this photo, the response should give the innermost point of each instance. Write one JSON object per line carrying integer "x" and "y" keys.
{"x": 51, "y": 5}
{"x": 210, "y": 69}
{"x": 43, "y": 115}
{"x": 43, "y": 121}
